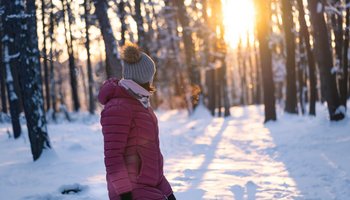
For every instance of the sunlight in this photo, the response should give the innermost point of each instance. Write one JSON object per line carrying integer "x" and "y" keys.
{"x": 238, "y": 19}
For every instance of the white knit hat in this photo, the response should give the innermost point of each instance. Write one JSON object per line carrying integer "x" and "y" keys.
{"x": 137, "y": 66}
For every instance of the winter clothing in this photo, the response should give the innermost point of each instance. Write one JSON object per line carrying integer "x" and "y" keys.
{"x": 126, "y": 196}
{"x": 171, "y": 197}
{"x": 133, "y": 159}
{"x": 136, "y": 91}
{"x": 137, "y": 66}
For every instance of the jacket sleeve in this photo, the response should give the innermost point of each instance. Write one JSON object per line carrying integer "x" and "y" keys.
{"x": 116, "y": 122}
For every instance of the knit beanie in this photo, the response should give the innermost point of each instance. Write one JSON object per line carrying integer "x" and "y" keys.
{"x": 137, "y": 66}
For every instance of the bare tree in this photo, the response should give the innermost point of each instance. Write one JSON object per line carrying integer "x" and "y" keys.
{"x": 31, "y": 83}
{"x": 114, "y": 67}
{"x": 325, "y": 59}
{"x": 89, "y": 67}
{"x": 263, "y": 29}
{"x": 305, "y": 36}
{"x": 10, "y": 54}
{"x": 287, "y": 16}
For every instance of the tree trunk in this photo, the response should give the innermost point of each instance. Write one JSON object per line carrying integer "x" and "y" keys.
{"x": 140, "y": 29}
{"x": 2, "y": 77}
{"x": 343, "y": 87}
{"x": 310, "y": 58}
{"x": 71, "y": 59}
{"x": 258, "y": 76}
{"x": 301, "y": 75}
{"x": 263, "y": 26}
{"x": 325, "y": 60}
{"x": 52, "y": 67}
{"x": 114, "y": 67}
{"x": 287, "y": 17}
{"x": 89, "y": 67}
{"x": 10, "y": 58}
{"x": 31, "y": 83}
{"x": 44, "y": 55}
{"x": 191, "y": 62}
{"x": 122, "y": 16}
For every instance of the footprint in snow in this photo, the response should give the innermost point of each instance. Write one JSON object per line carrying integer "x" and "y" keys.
{"x": 251, "y": 190}
{"x": 238, "y": 192}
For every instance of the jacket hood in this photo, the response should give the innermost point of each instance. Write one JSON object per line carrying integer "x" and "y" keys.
{"x": 110, "y": 89}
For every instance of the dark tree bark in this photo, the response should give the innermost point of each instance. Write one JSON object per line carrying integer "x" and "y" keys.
{"x": 263, "y": 29}
{"x": 122, "y": 16}
{"x": 52, "y": 67}
{"x": 2, "y": 77}
{"x": 44, "y": 56}
{"x": 222, "y": 48}
{"x": 287, "y": 17}
{"x": 31, "y": 83}
{"x": 301, "y": 75}
{"x": 114, "y": 67}
{"x": 140, "y": 29}
{"x": 258, "y": 77}
{"x": 191, "y": 62}
{"x": 325, "y": 60}
{"x": 89, "y": 67}
{"x": 305, "y": 35}
{"x": 344, "y": 82}
{"x": 71, "y": 59}
{"x": 10, "y": 39}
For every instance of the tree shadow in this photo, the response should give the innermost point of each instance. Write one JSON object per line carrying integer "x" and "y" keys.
{"x": 315, "y": 154}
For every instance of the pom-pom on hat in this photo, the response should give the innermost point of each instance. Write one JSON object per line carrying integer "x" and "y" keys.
{"x": 137, "y": 66}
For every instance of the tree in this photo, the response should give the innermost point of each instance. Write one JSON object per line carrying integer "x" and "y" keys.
{"x": 263, "y": 30}
{"x": 11, "y": 27}
{"x": 2, "y": 77}
{"x": 30, "y": 81}
{"x": 305, "y": 36}
{"x": 71, "y": 60}
{"x": 44, "y": 55}
{"x": 89, "y": 67}
{"x": 191, "y": 62}
{"x": 114, "y": 67}
{"x": 325, "y": 60}
{"x": 287, "y": 17}
{"x": 140, "y": 28}
{"x": 122, "y": 15}
{"x": 344, "y": 80}
{"x": 52, "y": 67}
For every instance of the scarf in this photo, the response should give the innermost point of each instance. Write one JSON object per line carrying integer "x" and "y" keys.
{"x": 135, "y": 90}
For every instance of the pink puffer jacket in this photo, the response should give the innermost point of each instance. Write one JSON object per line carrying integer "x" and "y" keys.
{"x": 131, "y": 145}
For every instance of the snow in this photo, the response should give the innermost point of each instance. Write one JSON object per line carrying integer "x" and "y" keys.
{"x": 297, "y": 157}
{"x": 319, "y": 7}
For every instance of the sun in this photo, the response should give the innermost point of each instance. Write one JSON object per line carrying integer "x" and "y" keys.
{"x": 239, "y": 19}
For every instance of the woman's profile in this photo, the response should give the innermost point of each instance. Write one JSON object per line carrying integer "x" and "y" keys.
{"x": 133, "y": 160}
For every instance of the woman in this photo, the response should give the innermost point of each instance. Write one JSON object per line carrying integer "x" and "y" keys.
{"x": 134, "y": 163}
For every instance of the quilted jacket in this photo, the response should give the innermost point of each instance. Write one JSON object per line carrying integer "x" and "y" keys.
{"x": 131, "y": 146}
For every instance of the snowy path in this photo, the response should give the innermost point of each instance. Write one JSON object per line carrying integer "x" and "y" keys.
{"x": 205, "y": 158}
{"x": 229, "y": 158}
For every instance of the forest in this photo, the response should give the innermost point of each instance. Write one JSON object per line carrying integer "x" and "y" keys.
{"x": 279, "y": 53}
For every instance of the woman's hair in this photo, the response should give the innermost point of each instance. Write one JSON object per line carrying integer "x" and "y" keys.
{"x": 149, "y": 87}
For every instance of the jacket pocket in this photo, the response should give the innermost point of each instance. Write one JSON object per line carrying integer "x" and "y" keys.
{"x": 140, "y": 167}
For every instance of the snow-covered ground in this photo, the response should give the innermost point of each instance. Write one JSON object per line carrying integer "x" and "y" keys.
{"x": 205, "y": 158}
